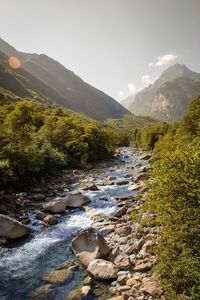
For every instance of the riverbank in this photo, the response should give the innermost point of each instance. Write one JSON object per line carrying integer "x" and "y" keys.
{"x": 120, "y": 190}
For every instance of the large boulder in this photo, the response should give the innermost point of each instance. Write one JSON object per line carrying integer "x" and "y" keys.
{"x": 76, "y": 200}
{"x": 11, "y": 228}
{"x": 102, "y": 269}
{"x": 89, "y": 245}
{"x": 55, "y": 207}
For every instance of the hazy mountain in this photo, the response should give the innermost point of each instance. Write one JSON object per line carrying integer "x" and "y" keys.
{"x": 127, "y": 101}
{"x": 168, "y": 98}
{"x": 51, "y": 80}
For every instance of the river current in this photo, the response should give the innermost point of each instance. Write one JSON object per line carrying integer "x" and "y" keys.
{"x": 24, "y": 263}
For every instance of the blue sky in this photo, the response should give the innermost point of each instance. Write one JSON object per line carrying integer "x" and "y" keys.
{"x": 119, "y": 46}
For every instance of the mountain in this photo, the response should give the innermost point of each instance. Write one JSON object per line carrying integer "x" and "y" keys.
{"x": 168, "y": 98}
{"x": 44, "y": 77}
{"x": 127, "y": 101}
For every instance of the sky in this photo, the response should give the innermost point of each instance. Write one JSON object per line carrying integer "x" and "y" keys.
{"x": 118, "y": 46}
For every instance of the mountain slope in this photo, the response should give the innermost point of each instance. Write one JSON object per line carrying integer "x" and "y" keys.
{"x": 51, "y": 80}
{"x": 168, "y": 98}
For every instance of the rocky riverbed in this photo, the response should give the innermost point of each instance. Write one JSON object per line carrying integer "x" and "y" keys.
{"x": 90, "y": 213}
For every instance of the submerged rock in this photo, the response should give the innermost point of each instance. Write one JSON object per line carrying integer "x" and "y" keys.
{"x": 77, "y": 294}
{"x": 102, "y": 269}
{"x": 41, "y": 293}
{"x": 11, "y": 228}
{"x": 76, "y": 200}
{"x": 89, "y": 245}
{"x": 60, "y": 274}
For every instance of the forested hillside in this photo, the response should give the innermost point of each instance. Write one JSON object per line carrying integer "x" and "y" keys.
{"x": 174, "y": 196}
{"x": 34, "y": 138}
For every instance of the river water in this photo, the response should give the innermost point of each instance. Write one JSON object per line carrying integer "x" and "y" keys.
{"x": 24, "y": 263}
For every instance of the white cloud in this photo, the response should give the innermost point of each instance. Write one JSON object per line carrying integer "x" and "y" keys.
{"x": 147, "y": 79}
{"x": 163, "y": 60}
{"x": 121, "y": 95}
{"x": 132, "y": 88}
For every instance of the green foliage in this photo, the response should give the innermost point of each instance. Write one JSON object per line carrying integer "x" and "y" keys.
{"x": 175, "y": 197}
{"x": 34, "y": 138}
{"x": 127, "y": 130}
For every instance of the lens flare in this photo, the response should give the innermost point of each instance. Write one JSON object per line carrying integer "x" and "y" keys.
{"x": 14, "y": 62}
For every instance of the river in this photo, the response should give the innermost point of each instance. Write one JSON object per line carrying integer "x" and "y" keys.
{"x": 23, "y": 263}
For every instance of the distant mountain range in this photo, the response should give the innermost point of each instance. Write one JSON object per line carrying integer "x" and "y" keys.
{"x": 41, "y": 77}
{"x": 168, "y": 98}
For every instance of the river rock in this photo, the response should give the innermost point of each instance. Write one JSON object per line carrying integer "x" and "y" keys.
{"x": 76, "y": 200}
{"x": 60, "y": 274}
{"x": 141, "y": 177}
{"x": 145, "y": 157}
{"x": 122, "y": 182}
{"x": 97, "y": 217}
{"x": 41, "y": 293}
{"x": 135, "y": 246}
{"x": 133, "y": 187}
{"x": 117, "y": 298}
{"x": 151, "y": 286}
{"x": 55, "y": 206}
{"x": 120, "y": 212}
{"x": 106, "y": 230}
{"x": 124, "y": 230}
{"x": 91, "y": 187}
{"x": 132, "y": 282}
{"x": 51, "y": 220}
{"x": 113, "y": 253}
{"x": 143, "y": 266}
{"x": 79, "y": 293}
{"x": 122, "y": 261}
{"x": 11, "y": 228}
{"x": 3, "y": 241}
{"x": 102, "y": 269}
{"x": 89, "y": 245}
{"x": 111, "y": 178}
{"x": 40, "y": 215}
{"x": 128, "y": 175}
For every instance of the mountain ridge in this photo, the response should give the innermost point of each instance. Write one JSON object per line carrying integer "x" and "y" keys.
{"x": 161, "y": 100}
{"x": 53, "y": 81}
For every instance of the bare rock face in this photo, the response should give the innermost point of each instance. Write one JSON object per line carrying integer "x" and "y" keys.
{"x": 55, "y": 206}
{"x": 76, "y": 200}
{"x": 11, "y": 228}
{"x": 89, "y": 245}
{"x": 102, "y": 269}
